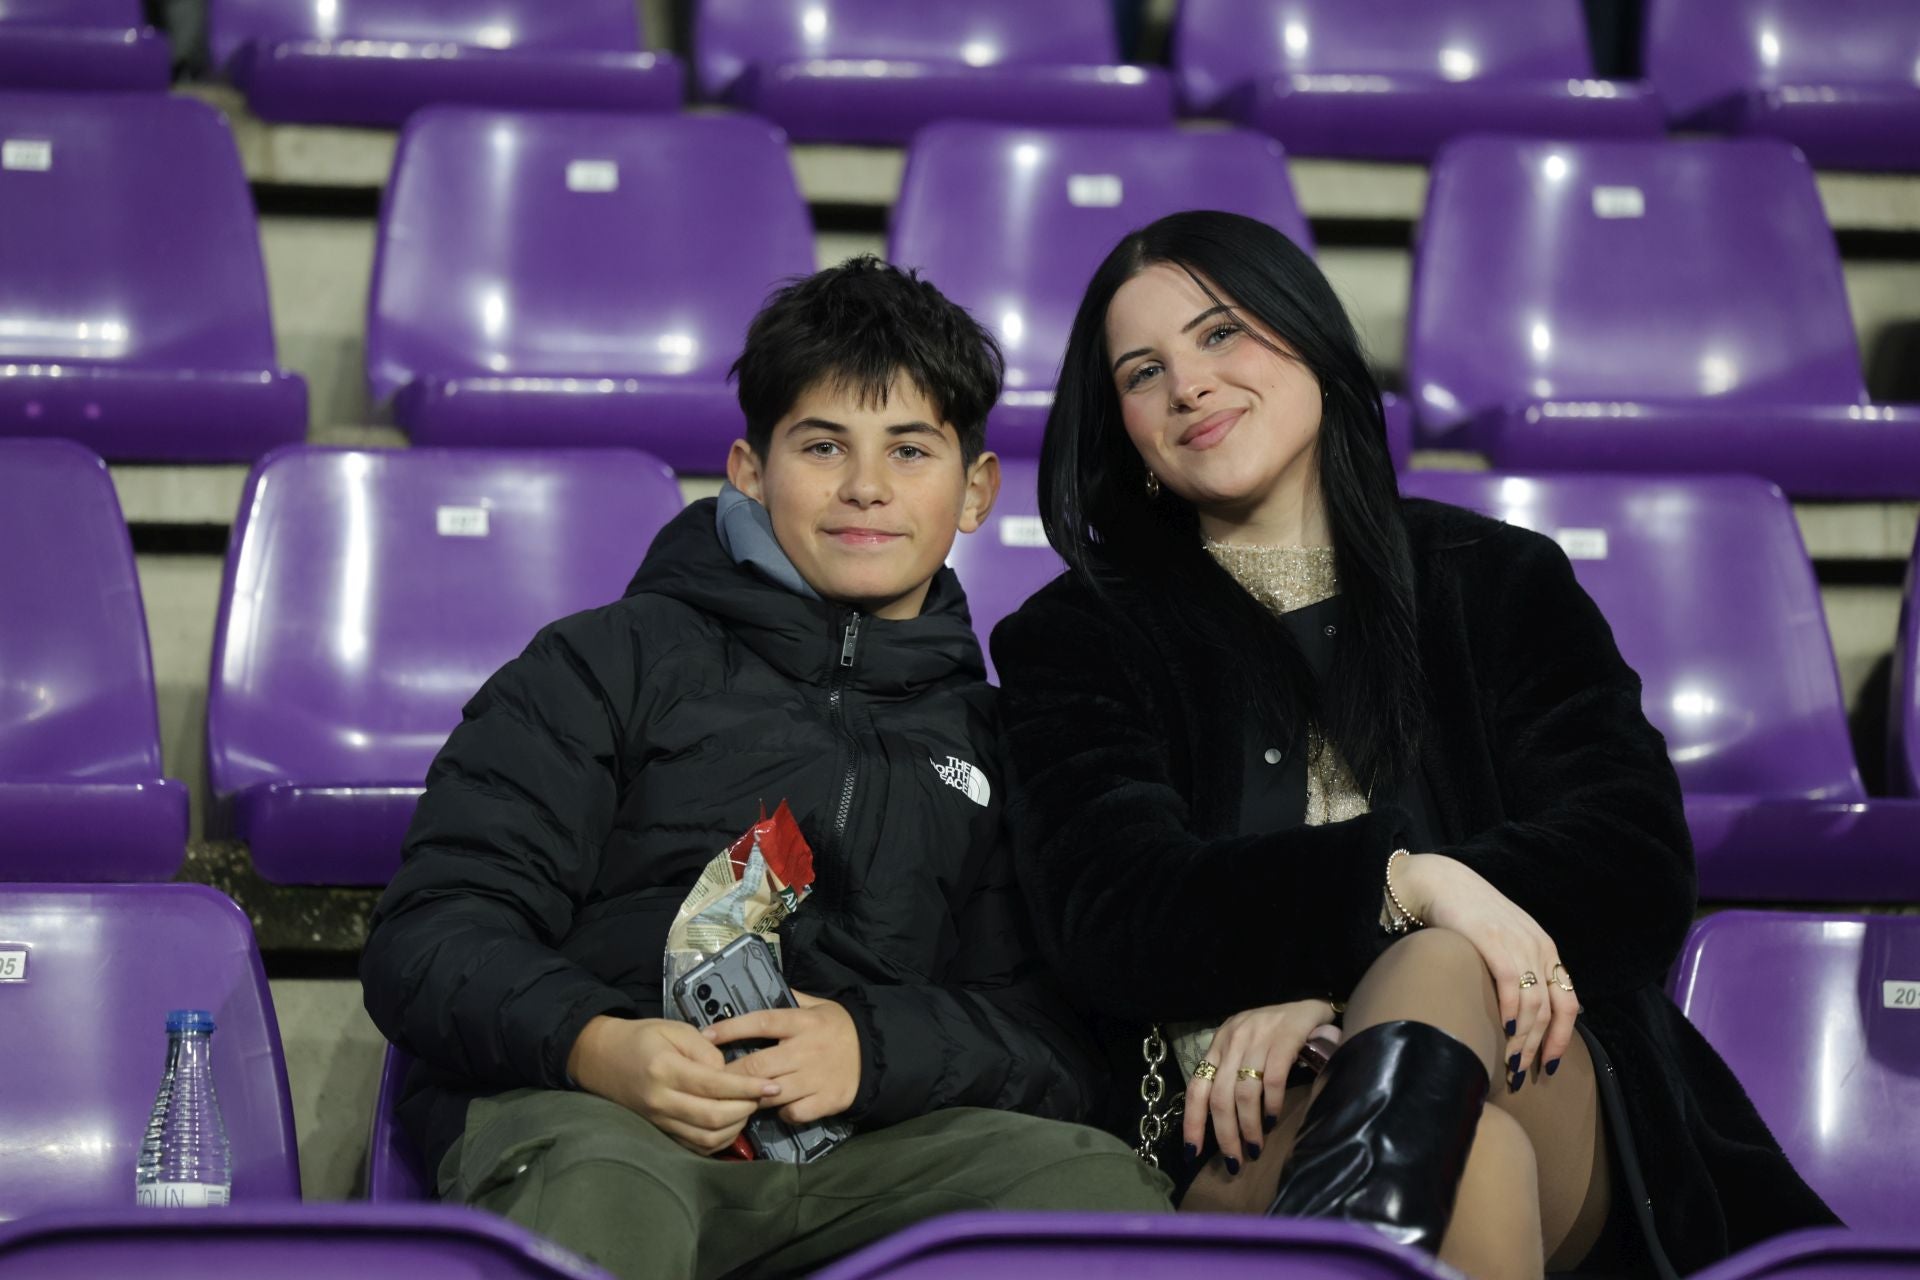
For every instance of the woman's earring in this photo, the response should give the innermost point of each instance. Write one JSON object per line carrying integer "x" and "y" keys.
{"x": 1153, "y": 486}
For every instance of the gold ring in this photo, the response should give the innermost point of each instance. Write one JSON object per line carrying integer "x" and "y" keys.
{"x": 1564, "y": 982}
{"x": 1205, "y": 1071}
{"x": 1250, "y": 1073}
{"x": 1528, "y": 979}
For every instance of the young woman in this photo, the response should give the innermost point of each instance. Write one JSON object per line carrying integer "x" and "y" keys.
{"x": 1288, "y": 750}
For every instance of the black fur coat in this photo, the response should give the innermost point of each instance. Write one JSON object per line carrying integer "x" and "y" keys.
{"x": 1546, "y": 778}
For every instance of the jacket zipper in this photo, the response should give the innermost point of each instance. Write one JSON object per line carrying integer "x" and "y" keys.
{"x": 836, "y": 701}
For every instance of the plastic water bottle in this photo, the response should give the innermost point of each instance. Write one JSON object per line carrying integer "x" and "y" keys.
{"x": 184, "y": 1161}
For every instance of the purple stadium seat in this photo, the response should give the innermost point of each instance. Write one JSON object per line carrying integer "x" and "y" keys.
{"x": 1819, "y": 1016}
{"x": 1830, "y": 1253}
{"x": 1394, "y": 79}
{"x": 394, "y": 1171}
{"x": 1903, "y": 719}
{"x": 1834, "y": 77}
{"x": 1010, "y": 222}
{"x": 133, "y": 305}
{"x": 578, "y": 279}
{"x": 286, "y": 1242}
{"x": 375, "y": 62}
{"x": 87, "y": 1040}
{"x": 876, "y": 70}
{"x": 79, "y": 44}
{"x": 367, "y": 597}
{"x": 1095, "y": 1246}
{"x": 1713, "y": 601}
{"x": 1617, "y": 306}
{"x": 82, "y": 796}
{"x": 1007, "y": 559}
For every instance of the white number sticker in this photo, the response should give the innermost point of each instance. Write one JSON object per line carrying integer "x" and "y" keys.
{"x": 13, "y": 966}
{"x": 180, "y": 1195}
{"x": 593, "y": 175}
{"x": 1582, "y": 544}
{"x": 1619, "y": 202}
{"x": 31, "y": 154}
{"x": 1900, "y": 995}
{"x": 1094, "y": 190}
{"x": 461, "y": 522}
{"x": 1022, "y": 531}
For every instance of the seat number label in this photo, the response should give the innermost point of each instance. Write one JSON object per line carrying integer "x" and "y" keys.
{"x": 1022, "y": 531}
{"x": 13, "y": 965}
{"x": 461, "y": 522}
{"x": 1582, "y": 544}
{"x": 1619, "y": 202}
{"x": 1094, "y": 190}
{"x": 593, "y": 175}
{"x": 1900, "y": 995}
{"x": 31, "y": 154}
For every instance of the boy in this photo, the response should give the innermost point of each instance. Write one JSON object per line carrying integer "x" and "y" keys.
{"x": 798, "y": 639}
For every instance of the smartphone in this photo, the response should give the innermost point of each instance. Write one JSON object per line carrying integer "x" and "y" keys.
{"x": 743, "y": 977}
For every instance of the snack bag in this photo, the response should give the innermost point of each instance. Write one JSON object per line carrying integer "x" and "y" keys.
{"x": 750, "y": 886}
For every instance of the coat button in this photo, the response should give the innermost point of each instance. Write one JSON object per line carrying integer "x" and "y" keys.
{"x": 1331, "y": 629}
{"x": 1272, "y": 756}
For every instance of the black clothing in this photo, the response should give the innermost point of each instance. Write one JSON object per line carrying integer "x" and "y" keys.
{"x": 596, "y": 774}
{"x": 1546, "y": 779}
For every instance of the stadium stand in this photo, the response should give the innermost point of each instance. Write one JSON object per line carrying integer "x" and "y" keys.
{"x": 288, "y": 1242}
{"x": 1008, "y": 559}
{"x": 368, "y": 595}
{"x": 573, "y": 279}
{"x": 86, "y": 1030}
{"x": 394, "y": 1172}
{"x": 83, "y": 795}
{"x": 373, "y": 62}
{"x": 1819, "y": 1016}
{"x": 1087, "y": 1246}
{"x": 1712, "y": 600}
{"x": 79, "y": 46}
{"x": 1837, "y": 1252}
{"x": 1903, "y": 719}
{"x": 1834, "y": 77}
{"x": 876, "y": 70}
{"x": 1618, "y": 306}
{"x": 1394, "y": 79}
{"x": 135, "y": 351}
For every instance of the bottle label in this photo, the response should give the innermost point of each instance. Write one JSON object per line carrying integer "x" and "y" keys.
{"x": 180, "y": 1195}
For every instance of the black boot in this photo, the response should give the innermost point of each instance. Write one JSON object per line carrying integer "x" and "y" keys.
{"x": 1386, "y": 1141}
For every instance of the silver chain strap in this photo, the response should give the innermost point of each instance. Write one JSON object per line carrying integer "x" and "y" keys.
{"x": 1154, "y": 1116}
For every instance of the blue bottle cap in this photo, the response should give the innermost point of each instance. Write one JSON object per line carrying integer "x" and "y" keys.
{"x": 200, "y": 1020}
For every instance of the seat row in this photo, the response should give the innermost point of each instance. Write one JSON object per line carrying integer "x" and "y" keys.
{"x": 368, "y": 595}
{"x": 1382, "y": 79}
{"x": 1813, "y": 1013}
{"x": 569, "y": 279}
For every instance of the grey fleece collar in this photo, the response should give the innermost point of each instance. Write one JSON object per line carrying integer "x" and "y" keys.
{"x": 746, "y": 534}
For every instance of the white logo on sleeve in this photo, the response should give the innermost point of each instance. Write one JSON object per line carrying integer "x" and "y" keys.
{"x": 965, "y": 778}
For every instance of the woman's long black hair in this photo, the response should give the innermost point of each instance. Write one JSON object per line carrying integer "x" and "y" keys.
{"x": 1100, "y": 518}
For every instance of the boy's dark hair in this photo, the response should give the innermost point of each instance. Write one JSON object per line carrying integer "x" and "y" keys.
{"x": 856, "y": 326}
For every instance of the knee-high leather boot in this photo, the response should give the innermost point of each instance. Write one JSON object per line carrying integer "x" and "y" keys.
{"x": 1386, "y": 1141}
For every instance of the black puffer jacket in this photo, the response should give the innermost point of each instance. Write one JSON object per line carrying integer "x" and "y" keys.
{"x": 593, "y": 777}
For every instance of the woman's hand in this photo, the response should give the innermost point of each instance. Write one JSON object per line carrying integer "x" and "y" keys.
{"x": 1243, "y": 1111}
{"x": 1448, "y": 894}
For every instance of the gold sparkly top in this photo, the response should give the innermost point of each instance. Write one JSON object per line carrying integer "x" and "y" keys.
{"x": 1283, "y": 579}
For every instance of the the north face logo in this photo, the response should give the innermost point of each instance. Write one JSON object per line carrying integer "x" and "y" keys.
{"x": 966, "y": 779}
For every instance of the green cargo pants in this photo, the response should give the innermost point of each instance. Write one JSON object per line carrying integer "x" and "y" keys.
{"x": 605, "y": 1183}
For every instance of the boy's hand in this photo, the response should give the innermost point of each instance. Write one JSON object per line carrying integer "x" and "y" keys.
{"x": 670, "y": 1074}
{"x": 816, "y": 1062}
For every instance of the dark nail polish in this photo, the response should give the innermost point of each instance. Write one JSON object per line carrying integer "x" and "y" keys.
{"x": 1253, "y": 1151}
{"x": 1233, "y": 1167}
{"x": 1513, "y": 1064}
{"x": 1512, "y": 1025}
{"x": 1519, "y": 1078}
{"x": 1193, "y": 1153}
{"x": 1553, "y": 1066}
{"x": 1267, "y": 1123}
